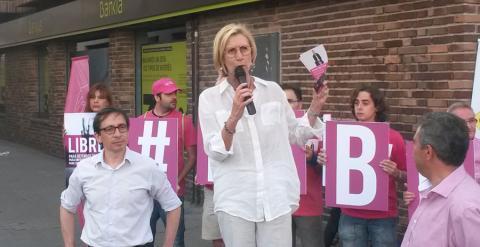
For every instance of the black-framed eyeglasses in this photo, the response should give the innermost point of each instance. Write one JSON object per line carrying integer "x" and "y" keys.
{"x": 292, "y": 101}
{"x": 110, "y": 130}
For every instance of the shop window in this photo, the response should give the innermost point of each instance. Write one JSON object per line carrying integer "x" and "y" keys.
{"x": 43, "y": 82}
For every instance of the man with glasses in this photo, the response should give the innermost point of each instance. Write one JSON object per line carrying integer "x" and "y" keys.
{"x": 118, "y": 187}
{"x": 307, "y": 220}
{"x": 165, "y": 91}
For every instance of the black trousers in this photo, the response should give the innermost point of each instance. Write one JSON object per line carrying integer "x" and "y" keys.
{"x": 332, "y": 226}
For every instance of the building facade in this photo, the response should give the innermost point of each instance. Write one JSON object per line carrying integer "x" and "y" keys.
{"x": 421, "y": 52}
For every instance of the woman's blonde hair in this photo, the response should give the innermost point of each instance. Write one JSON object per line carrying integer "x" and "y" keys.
{"x": 220, "y": 42}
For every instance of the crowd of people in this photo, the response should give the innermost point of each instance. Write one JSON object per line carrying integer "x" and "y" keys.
{"x": 255, "y": 199}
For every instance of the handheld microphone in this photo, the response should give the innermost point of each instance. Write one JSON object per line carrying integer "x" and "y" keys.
{"x": 242, "y": 78}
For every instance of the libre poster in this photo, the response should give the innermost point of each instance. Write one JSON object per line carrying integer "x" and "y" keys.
{"x": 79, "y": 141}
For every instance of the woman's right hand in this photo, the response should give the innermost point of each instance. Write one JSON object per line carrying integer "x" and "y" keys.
{"x": 241, "y": 92}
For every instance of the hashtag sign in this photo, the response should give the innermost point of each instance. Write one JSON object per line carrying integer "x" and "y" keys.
{"x": 157, "y": 139}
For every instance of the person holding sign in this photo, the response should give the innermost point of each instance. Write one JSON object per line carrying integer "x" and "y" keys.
{"x": 165, "y": 91}
{"x": 449, "y": 211}
{"x": 358, "y": 227}
{"x": 307, "y": 220}
{"x": 99, "y": 96}
{"x": 118, "y": 186}
{"x": 256, "y": 182}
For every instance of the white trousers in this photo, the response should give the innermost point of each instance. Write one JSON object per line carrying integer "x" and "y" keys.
{"x": 238, "y": 232}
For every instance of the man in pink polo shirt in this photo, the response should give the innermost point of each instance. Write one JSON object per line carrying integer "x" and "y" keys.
{"x": 165, "y": 92}
{"x": 449, "y": 211}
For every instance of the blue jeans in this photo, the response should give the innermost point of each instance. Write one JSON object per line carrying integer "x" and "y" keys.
{"x": 357, "y": 232}
{"x": 157, "y": 213}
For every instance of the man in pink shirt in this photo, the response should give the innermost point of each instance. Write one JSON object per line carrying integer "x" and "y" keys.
{"x": 449, "y": 212}
{"x": 165, "y": 92}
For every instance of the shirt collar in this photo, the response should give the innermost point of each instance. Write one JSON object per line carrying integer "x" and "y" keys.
{"x": 128, "y": 159}
{"x": 448, "y": 184}
{"x": 223, "y": 85}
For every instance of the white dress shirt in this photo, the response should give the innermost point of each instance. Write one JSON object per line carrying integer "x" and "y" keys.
{"x": 256, "y": 179}
{"x": 118, "y": 202}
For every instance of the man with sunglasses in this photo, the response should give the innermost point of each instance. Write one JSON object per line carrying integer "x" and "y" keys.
{"x": 118, "y": 187}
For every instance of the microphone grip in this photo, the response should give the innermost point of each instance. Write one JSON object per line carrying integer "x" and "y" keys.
{"x": 251, "y": 108}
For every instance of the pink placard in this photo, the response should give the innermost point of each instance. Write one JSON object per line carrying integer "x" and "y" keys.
{"x": 78, "y": 85}
{"x": 476, "y": 157}
{"x": 300, "y": 160}
{"x": 354, "y": 176}
{"x": 202, "y": 161}
{"x": 298, "y": 156}
{"x": 469, "y": 162}
{"x": 158, "y": 139}
{"x": 412, "y": 178}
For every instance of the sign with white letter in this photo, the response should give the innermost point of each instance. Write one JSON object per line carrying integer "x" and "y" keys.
{"x": 354, "y": 176}
{"x": 158, "y": 139}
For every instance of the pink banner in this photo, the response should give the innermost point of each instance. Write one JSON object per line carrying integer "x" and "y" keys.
{"x": 298, "y": 156}
{"x": 354, "y": 176}
{"x": 78, "y": 85}
{"x": 158, "y": 139}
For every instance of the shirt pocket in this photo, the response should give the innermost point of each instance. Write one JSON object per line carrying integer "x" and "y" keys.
{"x": 222, "y": 117}
{"x": 138, "y": 195}
{"x": 270, "y": 113}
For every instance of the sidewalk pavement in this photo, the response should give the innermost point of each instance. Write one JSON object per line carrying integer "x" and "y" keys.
{"x": 30, "y": 187}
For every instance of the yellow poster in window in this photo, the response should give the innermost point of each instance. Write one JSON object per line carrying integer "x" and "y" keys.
{"x": 164, "y": 60}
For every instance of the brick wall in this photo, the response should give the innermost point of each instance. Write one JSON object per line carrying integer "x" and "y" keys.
{"x": 122, "y": 69}
{"x": 422, "y": 53}
{"x": 22, "y": 121}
